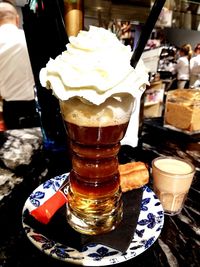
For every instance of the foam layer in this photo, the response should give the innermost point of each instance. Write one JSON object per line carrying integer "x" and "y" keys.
{"x": 173, "y": 166}
{"x": 115, "y": 110}
{"x": 95, "y": 66}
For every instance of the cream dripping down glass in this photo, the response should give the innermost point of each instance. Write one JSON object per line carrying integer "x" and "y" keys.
{"x": 98, "y": 92}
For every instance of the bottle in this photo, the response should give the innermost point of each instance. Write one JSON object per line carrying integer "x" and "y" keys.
{"x": 73, "y": 16}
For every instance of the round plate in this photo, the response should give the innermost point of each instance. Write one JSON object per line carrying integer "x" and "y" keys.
{"x": 149, "y": 226}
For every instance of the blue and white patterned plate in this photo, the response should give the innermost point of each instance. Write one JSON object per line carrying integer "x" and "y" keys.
{"x": 149, "y": 226}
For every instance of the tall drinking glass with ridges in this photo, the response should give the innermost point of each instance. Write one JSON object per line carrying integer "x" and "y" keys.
{"x": 98, "y": 90}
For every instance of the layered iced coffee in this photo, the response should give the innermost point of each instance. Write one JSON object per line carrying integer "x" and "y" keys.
{"x": 95, "y": 132}
{"x": 97, "y": 89}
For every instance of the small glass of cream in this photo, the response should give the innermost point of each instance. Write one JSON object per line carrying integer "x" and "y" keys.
{"x": 172, "y": 178}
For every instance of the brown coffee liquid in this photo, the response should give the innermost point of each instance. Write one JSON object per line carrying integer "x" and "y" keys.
{"x": 94, "y": 192}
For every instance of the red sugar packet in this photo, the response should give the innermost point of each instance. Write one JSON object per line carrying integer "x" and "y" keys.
{"x": 45, "y": 212}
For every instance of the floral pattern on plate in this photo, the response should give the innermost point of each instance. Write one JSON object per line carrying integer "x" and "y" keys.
{"x": 149, "y": 226}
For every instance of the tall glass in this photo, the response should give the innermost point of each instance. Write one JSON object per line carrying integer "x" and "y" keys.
{"x": 94, "y": 196}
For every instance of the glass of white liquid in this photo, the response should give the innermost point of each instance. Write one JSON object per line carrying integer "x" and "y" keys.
{"x": 172, "y": 178}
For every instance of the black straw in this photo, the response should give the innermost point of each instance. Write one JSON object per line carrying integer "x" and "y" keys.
{"x": 146, "y": 31}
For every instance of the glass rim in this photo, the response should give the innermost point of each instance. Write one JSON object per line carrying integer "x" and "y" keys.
{"x": 193, "y": 169}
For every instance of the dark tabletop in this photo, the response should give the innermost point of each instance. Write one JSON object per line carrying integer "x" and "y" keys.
{"x": 24, "y": 165}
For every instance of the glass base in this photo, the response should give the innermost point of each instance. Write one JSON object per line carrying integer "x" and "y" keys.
{"x": 93, "y": 224}
{"x": 172, "y": 213}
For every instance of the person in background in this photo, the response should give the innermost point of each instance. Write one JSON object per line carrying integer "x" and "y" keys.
{"x": 195, "y": 68}
{"x": 182, "y": 67}
{"x": 16, "y": 77}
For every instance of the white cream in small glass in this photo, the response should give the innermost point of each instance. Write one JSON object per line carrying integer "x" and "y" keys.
{"x": 172, "y": 178}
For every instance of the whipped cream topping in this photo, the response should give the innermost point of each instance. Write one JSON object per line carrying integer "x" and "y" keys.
{"x": 95, "y": 66}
